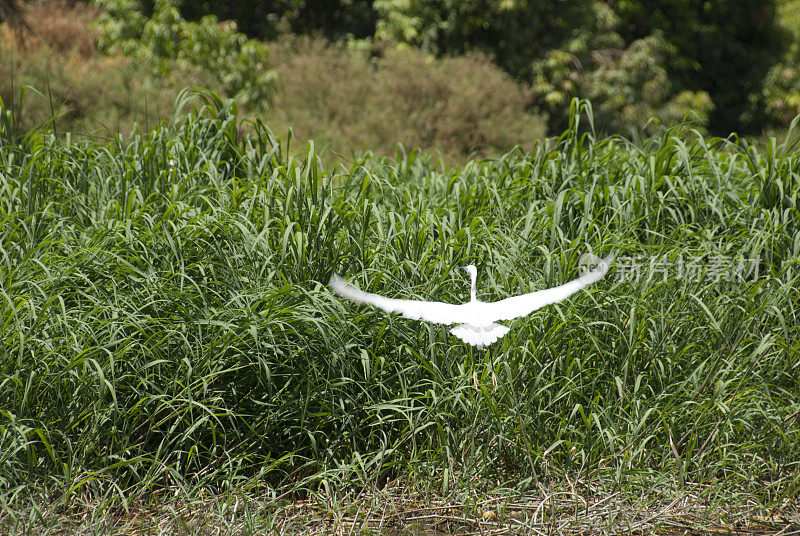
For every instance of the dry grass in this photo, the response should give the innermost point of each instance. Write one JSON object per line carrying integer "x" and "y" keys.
{"x": 96, "y": 95}
{"x": 62, "y": 27}
{"x": 582, "y": 508}
{"x": 55, "y": 72}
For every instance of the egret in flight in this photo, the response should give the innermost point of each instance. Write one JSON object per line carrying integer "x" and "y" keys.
{"x": 477, "y": 319}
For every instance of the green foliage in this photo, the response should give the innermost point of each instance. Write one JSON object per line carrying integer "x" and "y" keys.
{"x": 781, "y": 89}
{"x": 789, "y": 16}
{"x": 781, "y": 86}
{"x": 630, "y": 87}
{"x": 341, "y": 97}
{"x": 723, "y": 48}
{"x": 713, "y": 55}
{"x": 165, "y": 324}
{"x": 334, "y": 19}
{"x": 164, "y": 38}
{"x": 513, "y": 32}
{"x": 566, "y": 50}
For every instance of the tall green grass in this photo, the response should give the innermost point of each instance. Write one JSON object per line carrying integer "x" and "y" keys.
{"x": 165, "y": 322}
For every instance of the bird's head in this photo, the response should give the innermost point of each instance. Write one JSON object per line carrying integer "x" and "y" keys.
{"x": 471, "y": 270}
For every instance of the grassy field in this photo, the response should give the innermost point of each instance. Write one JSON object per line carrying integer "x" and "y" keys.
{"x": 170, "y": 354}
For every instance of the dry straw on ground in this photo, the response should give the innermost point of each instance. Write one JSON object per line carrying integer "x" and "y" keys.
{"x": 578, "y": 509}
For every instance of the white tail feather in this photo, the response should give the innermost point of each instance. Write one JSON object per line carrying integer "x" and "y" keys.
{"x": 479, "y": 336}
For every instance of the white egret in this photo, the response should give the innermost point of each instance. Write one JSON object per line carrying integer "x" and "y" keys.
{"x": 477, "y": 319}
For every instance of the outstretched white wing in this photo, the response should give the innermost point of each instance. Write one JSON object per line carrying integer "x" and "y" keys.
{"x": 525, "y": 304}
{"x": 439, "y": 312}
{"x": 476, "y": 314}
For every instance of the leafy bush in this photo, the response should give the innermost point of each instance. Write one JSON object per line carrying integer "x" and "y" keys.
{"x": 781, "y": 89}
{"x": 565, "y": 50}
{"x": 333, "y": 94}
{"x": 241, "y": 64}
{"x": 710, "y": 57}
{"x": 512, "y": 33}
{"x": 789, "y": 16}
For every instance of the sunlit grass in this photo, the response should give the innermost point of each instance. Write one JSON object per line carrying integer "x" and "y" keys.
{"x": 165, "y": 324}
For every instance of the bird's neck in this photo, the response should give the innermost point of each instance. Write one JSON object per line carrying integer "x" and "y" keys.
{"x": 472, "y": 293}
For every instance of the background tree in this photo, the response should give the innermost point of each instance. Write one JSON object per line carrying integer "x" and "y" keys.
{"x": 723, "y": 48}
{"x": 635, "y": 59}
{"x": 710, "y": 56}
{"x": 265, "y": 19}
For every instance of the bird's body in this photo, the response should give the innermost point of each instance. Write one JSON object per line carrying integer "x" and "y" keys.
{"x": 477, "y": 319}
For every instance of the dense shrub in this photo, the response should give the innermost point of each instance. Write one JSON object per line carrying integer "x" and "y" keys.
{"x": 632, "y": 60}
{"x": 712, "y": 58}
{"x": 789, "y": 16}
{"x": 723, "y": 49}
{"x": 457, "y": 105}
{"x": 334, "y": 94}
{"x": 718, "y": 50}
{"x": 513, "y": 33}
